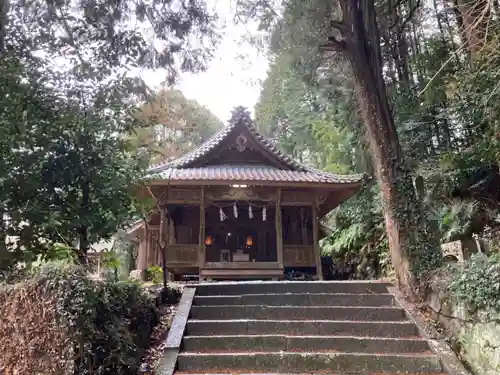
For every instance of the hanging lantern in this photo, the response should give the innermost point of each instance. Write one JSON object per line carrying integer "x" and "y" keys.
{"x": 209, "y": 240}
{"x": 250, "y": 213}
{"x": 264, "y": 214}
{"x": 249, "y": 241}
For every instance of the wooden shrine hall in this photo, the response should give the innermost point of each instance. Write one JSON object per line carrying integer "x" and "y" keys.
{"x": 237, "y": 208}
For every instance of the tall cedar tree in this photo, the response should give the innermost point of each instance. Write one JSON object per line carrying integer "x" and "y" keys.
{"x": 413, "y": 246}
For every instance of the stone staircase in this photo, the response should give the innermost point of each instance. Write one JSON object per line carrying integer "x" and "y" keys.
{"x": 344, "y": 328}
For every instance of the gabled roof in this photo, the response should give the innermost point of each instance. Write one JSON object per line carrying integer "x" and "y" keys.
{"x": 282, "y": 168}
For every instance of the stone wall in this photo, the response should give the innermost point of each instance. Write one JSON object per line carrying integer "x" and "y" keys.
{"x": 475, "y": 335}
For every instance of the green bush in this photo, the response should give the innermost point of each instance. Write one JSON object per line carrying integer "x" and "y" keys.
{"x": 155, "y": 274}
{"x": 478, "y": 283}
{"x": 108, "y": 322}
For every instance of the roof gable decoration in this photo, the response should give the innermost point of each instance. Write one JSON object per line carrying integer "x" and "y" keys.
{"x": 242, "y": 135}
{"x": 241, "y": 122}
{"x": 241, "y": 143}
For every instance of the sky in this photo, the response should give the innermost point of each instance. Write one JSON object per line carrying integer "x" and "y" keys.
{"x": 233, "y": 77}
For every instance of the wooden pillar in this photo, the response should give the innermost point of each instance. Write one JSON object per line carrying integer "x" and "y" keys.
{"x": 147, "y": 246}
{"x": 201, "y": 240}
{"x": 317, "y": 252}
{"x": 99, "y": 265}
{"x": 142, "y": 260}
{"x": 162, "y": 242}
{"x": 279, "y": 230}
{"x": 303, "y": 225}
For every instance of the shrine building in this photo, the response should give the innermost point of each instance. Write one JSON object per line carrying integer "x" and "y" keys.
{"x": 238, "y": 208}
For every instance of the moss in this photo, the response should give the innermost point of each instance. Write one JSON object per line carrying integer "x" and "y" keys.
{"x": 474, "y": 333}
{"x": 422, "y": 248}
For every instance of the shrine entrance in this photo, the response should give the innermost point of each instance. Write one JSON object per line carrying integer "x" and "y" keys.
{"x": 241, "y": 238}
{"x": 247, "y": 236}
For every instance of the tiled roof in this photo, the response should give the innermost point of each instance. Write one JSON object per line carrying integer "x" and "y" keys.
{"x": 182, "y": 169}
{"x": 253, "y": 174}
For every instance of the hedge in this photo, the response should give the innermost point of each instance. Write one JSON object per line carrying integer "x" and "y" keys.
{"x": 60, "y": 322}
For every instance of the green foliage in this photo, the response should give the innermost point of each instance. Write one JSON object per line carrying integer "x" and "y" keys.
{"x": 69, "y": 175}
{"x": 358, "y": 245}
{"x": 456, "y": 220}
{"x": 175, "y": 125}
{"x": 477, "y": 284}
{"x": 110, "y": 322}
{"x": 445, "y": 105}
{"x": 101, "y": 40}
{"x": 68, "y": 106}
{"x": 306, "y": 102}
{"x": 155, "y": 274}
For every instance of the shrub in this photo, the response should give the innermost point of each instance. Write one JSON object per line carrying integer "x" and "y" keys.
{"x": 155, "y": 274}
{"x": 82, "y": 326}
{"x": 478, "y": 282}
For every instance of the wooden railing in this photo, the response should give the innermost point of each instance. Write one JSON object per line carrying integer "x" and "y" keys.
{"x": 241, "y": 265}
{"x": 182, "y": 255}
{"x": 298, "y": 256}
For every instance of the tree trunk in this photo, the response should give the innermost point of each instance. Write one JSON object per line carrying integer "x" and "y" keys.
{"x": 4, "y": 14}
{"x": 472, "y": 19}
{"x": 84, "y": 244}
{"x": 4, "y": 253}
{"x": 83, "y": 230}
{"x": 412, "y": 246}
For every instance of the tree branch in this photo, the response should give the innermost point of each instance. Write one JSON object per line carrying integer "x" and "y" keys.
{"x": 339, "y": 25}
{"x": 70, "y": 33}
{"x": 409, "y": 17}
{"x": 334, "y": 45}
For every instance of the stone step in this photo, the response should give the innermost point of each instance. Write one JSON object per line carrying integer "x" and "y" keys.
{"x": 272, "y": 343}
{"x": 280, "y": 287}
{"x": 300, "y": 299}
{"x": 301, "y": 328}
{"x": 297, "y": 313}
{"x": 286, "y": 362}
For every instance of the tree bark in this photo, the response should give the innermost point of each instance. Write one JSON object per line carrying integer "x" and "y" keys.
{"x": 4, "y": 18}
{"x": 472, "y": 19}
{"x": 83, "y": 229}
{"x": 4, "y": 253}
{"x": 410, "y": 241}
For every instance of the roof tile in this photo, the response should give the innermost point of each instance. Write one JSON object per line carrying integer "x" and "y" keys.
{"x": 252, "y": 174}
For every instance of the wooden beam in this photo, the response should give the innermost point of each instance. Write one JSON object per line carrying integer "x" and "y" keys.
{"x": 147, "y": 246}
{"x": 317, "y": 251}
{"x": 142, "y": 258}
{"x": 164, "y": 228}
{"x": 201, "y": 240}
{"x": 219, "y": 193}
{"x": 279, "y": 230}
